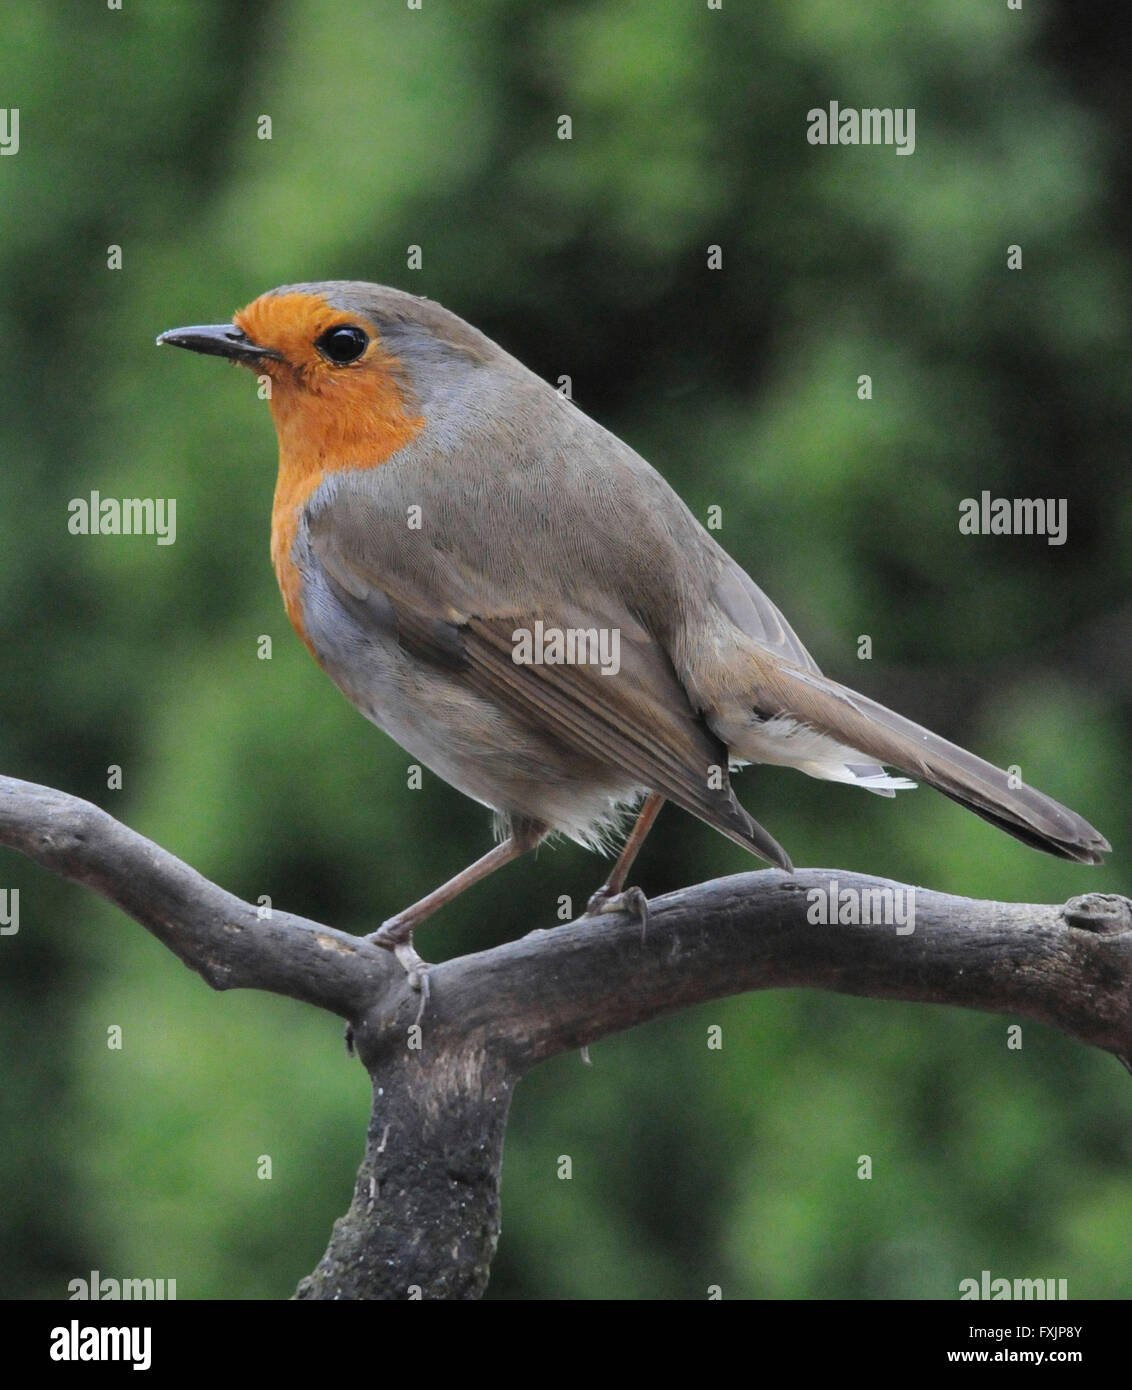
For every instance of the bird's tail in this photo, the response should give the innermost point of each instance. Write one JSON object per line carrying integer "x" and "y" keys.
{"x": 861, "y": 729}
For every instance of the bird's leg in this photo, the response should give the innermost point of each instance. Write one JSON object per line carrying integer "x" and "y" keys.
{"x": 396, "y": 934}
{"x": 613, "y": 895}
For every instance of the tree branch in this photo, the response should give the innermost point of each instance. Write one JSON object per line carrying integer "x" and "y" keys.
{"x": 222, "y": 938}
{"x": 425, "y": 1214}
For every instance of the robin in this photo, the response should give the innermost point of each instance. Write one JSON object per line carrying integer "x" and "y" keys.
{"x": 525, "y": 605}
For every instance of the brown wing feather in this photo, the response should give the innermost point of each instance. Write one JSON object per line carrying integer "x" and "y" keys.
{"x": 740, "y": 598}
{"x": 623, "y": 724}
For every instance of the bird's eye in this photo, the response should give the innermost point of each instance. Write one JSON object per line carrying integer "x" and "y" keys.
{"x": 343, "y": 344}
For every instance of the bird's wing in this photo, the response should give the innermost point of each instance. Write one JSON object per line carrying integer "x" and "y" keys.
{"x": 737, "y": 595}
{"x": 450, "y": 613}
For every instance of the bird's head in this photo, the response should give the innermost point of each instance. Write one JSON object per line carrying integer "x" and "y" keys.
{"x": 353, "y": 367}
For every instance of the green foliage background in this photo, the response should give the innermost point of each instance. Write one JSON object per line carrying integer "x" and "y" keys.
{"x": 438, "y": 127}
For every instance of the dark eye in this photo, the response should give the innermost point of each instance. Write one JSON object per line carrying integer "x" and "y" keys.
{"x": 343, "y": 344}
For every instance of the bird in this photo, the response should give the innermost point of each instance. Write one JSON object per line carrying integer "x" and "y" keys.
{"x": 525, "y": 605}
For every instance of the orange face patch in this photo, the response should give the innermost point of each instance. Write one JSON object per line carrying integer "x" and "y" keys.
{"x": 328, "y": 418}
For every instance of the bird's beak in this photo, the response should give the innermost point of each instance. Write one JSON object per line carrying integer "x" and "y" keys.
{"x": 219, "y": 340}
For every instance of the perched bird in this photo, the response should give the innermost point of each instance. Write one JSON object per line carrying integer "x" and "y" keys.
{"x": 526, "y": 606}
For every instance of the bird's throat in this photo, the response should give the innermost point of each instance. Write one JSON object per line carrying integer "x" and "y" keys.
{"x": 355, "y": 423}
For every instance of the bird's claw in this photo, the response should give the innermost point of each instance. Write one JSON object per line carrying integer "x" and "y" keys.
{"x": 413, "y": 965}
{"x": 392, "y": 936}
{"x": 631, "y": 901}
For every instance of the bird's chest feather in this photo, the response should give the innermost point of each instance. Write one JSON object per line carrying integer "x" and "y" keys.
{"x": 351, "y": 428}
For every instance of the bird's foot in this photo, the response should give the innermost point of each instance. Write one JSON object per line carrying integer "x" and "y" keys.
{"x": 631, "y": 901}
{"x": 394, "y": 936}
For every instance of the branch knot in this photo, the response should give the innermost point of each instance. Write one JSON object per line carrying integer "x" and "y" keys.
{"x": 1106, "y": 914}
